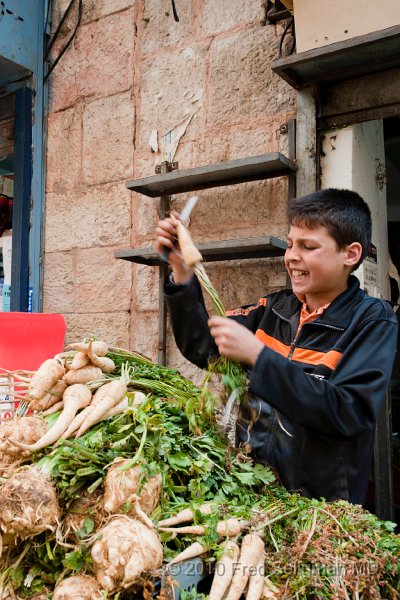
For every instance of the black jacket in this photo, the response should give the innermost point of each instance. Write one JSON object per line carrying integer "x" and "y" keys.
{"x": 318, "y": 395}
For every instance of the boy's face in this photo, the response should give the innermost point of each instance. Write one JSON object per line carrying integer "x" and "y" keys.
{"x": 317, "y": 269}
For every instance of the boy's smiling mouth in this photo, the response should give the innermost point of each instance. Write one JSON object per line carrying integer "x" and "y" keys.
{"x": 298, "y": 275}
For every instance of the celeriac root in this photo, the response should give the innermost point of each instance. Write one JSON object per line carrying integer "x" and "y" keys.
{"x": 27, "y": 430}
{"x": 123, "y": 487}
{"x": 125, "y": 549}
{"x": 77, "y": 587}
{"x": 29, "y": 504}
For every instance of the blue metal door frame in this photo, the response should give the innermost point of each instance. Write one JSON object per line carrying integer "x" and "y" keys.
{"x": 21, "y": 206}
{"x": 22, "y": 29}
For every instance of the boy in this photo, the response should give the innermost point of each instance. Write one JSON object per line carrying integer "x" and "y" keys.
{"x": 319, "y": 355}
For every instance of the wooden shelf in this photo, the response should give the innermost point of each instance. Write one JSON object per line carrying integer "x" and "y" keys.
{"x": 256, "y": 247}
{"x": 363, "y": 54}
{"x": 264, "y": 166}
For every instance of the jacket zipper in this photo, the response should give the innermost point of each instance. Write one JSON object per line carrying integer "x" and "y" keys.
{"x": 295, "y": 337}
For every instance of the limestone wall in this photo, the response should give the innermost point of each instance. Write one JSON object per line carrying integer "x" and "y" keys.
{"x": 133, "y": 74}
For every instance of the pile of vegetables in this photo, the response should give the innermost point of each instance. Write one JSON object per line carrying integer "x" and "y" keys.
{"x": 122, "y": 473}
{"x": 108, "y": 495}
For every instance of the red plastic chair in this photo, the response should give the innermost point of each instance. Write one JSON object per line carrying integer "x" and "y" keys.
{"x": 26, "y": 340}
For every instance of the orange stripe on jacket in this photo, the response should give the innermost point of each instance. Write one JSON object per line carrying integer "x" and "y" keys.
{"x": 245, "y": 311}
{"x": 272, "y": 343}
{"x": 311, "y": 357}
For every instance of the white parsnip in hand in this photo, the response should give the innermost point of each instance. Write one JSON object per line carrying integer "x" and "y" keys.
{"x": 190, "y": 253}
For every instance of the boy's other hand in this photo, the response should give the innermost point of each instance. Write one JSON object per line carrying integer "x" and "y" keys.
{"x": 235, "y": 341}
{"x": 166, "y": 238}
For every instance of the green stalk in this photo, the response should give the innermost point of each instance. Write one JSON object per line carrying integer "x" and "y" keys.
{"x": 210, "y": 289}
{"x": 138, "y": 452}
{"x": 233, "y": 375}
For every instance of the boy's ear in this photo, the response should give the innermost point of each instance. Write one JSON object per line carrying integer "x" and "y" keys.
{"x": 353, "y": 254}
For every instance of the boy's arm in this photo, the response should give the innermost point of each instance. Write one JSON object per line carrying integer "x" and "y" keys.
{"x": 189, "y": 321}
{"x": 345, "y": 404}
{"x": 190, "y": 324}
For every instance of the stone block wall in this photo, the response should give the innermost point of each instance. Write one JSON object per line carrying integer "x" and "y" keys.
{"x": 135, "y": 88}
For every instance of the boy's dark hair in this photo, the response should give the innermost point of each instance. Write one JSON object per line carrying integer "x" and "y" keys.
{"x": 343, "y": 212}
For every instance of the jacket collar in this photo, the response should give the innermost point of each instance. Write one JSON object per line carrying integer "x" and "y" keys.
{"x": 338, "y": 313}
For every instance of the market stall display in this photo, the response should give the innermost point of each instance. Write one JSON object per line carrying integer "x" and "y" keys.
{"x": 123, "y": 503}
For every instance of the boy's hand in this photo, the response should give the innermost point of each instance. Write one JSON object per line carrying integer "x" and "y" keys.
{"x": 166, "y": 238}
{"x": 235, "y": 341}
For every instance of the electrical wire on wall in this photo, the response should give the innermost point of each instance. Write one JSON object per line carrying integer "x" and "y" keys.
{"x": 57, "y": 31}
{"x": 174, "y": 11}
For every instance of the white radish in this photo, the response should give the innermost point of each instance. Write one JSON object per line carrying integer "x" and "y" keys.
{"x": 75, "y": 397}
{"x": 192, "y": 551}
{"x": 83, "y": 375}
{"x": 251, "y": 550}
{"x": 53, "y": 409}
{"x": 187, "y": 514}
{"x": 80, "y": 360}
{"x": 224, "y": 569}
{"x": 231, "y": 527}
{"x": 100, "y": 348}
{"x": 256, "y": 581}
{"x": 112, "y": 394}
{"x": 47, "y": 375}
{"x": 50, "y": 398}
{"x": 105, "y": 363}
